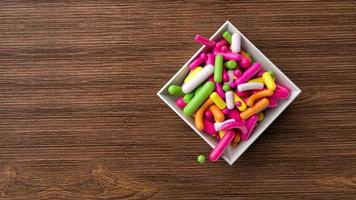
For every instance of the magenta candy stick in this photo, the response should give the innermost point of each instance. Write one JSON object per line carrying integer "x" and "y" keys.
{"x": 208, "y": 127}
{"x": 211, "y": 78}
{"x": 238, "y": 124}
{"x": 281, "y": 92}
{"x": 232, "y": 84}
{"x": 234, "y": 114}
{"x": 238, "y": 103}
{"x": 261, "y": 72}
{"x": 224, "y": 49}
{"x": 210, "y": 59}
{"x": 222, "y": 145}
{"x": 237, "y": 73}
{"x": 208, "y": 114}
{"x": 272, "y": 102}
{"x": 225, "y": 111}
{"x": 219, "y": 90}
{"x": 197, "y": 61}
{"x": 249, "y": 73}
{"x": 243, "y": 94}
{"x": 220, "y": 44}
{"x": 226, "y": 77}
{"x": 251, "y": 123}
{"x": 230, "y": 56}
{"x": 204, "y": 41}
{"x": 180, "y": 102}
{"x": 245, "y": 62}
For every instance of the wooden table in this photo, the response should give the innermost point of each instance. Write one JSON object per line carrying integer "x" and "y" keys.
{"x": 80, "y": 119}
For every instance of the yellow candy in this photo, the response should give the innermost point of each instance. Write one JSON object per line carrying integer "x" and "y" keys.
{"x": 192, "y": 74}
{"x": 257, "y": 80}
{"x": 261, "y": 116}
{"x": 221, "y": 134}
{"x": 243, "y": 105}
{"x": 269, "y": 82}
{"x": 219, "y": 102}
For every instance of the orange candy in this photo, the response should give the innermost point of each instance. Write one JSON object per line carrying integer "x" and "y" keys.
{"x": 258, "y": 107}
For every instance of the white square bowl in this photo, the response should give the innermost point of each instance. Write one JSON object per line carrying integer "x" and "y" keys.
{"x": 232, "y": 154}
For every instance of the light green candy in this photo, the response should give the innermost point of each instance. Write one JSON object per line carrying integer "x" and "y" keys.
{"x": 176, "y": 90}
{"x": 218, "y": 68}
{"x": 199, "y": 98}
{"x": 201, "y": 159}
{"x": 188, "y": 97}
{"x": 231, "y": 64}
{"x": 272, "y": 74}
{"x": 226, "y": 87}
{"x": 227, "y": 36}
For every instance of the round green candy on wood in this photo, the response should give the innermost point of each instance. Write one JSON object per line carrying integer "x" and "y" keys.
{"x": 201, "y": 159}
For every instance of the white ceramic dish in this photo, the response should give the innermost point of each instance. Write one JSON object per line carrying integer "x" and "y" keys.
{"x": 232, "y": 154}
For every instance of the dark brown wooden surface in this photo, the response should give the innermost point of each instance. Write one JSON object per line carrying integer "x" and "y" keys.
{"x": 80, "y": 119}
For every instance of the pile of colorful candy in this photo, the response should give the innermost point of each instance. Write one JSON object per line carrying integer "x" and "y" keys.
{"x": 226, "y": 97}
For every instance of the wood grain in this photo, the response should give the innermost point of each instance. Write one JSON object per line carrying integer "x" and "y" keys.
{"x": 80, "y": 119}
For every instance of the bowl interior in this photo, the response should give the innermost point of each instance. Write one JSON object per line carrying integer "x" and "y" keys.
{"x": 232, "y": 154}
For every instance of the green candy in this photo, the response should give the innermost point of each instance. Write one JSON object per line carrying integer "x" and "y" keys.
{"x": 176, "y": 90}
{"x": 231, "y": 64}
{"x": 199, "y": 98}
{"x": 201, "y": 159}
{"x": 226, "y": 87}
{"x": 271, "y": 72}
{"x": 218, "y": 68}
{"x": 199, "y": 88}
{"x": 227, "y": 36}
{"x": 188, "y": 97}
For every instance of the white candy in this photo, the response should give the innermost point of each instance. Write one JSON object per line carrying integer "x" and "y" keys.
{"x": 235, "y": 43}
{"x": 250, "y": 86}
{"x": 231, "y": 75}
{"x": 200, "y": 77}
{"x": 229, "y": 97}
{"x": 218, "y": 125}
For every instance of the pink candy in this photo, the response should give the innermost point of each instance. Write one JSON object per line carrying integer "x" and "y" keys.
{"x": 237, "y": 73}
{"x": 251, "y": 123}
{"x": 245, "y": 62}
{"x": 243, "y": 94}
{"x": 281, "y": 92}
{"x": 220, "y": 44}
{"x": 219, "y": 90}
{"x": 224, "y": 49}
{"x": 208, "y": 127}
{"x": 197, "y": 61}
{"x": 222, "y": 145}
{"x": 230, "y": 56}
{"x": 226, "y": 111}
{"x": 210, "y": 59}
{"x": 238, "y": 124}
{"x": 208, "y": 114}
{"x": 232, "y": 84}
{"x": 234, "y": 114}
{"x": 249, "y": 73}
{"x": 226, "y": 77}
{"x": 272, "y": 102}
{"x": 204, "y": 41}
{"x": 180, "y": 103}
